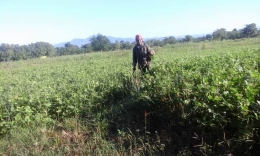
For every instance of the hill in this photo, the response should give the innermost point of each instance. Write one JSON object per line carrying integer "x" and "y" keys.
{"x": 79, "y": 42}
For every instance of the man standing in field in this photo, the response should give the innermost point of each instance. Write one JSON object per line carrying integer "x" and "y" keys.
{"x": 142, "y": 54}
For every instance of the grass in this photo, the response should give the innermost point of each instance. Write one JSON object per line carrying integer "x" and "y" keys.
{"x": 75, "y": 140}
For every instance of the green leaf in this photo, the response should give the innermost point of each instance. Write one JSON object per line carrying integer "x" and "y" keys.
{"x": 244, "y": 108}
{"x": 217, "y": 98}
{"x": 210, "y": 97}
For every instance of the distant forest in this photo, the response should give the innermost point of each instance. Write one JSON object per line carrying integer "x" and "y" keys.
{"x": 12, "y": 52}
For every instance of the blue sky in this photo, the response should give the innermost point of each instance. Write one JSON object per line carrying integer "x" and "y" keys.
{"x": 55, "y": 21}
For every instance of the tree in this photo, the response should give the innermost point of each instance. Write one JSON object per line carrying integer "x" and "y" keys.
{"x": 125, "y": 45}
{"x": 68, "y": 44}
{"x": 19, "y": 52}
{"x": 220, "y": 34}
{"x": 87, "y": 48}
{"x": 234, "y": 34}
{"x": 116, "y": 45}
{"x": 250, "y": 30}
{"x": 6, "y": 55}
{"x": 33, "y": 50}
{"x": 155, "y": 42}
{"x": 6, "y": 52}
{"x": 45, "y": 48}
{"x": 198, "y": 39}
{"x": 100, "y": 43}
{"x": 170, "y": 40}
{"x": 71, "y": 49}
{"x": 61, "y": 51}
{"x": 188, "y": 38}
{"x": 39, "y": 49}
{"x": 208, "y": 37}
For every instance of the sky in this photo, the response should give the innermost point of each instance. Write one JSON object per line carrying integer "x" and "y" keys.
{"x": 54, "y": 21}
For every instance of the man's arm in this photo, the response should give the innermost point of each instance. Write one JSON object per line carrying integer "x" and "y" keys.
{"x": 150, "y": 51}
{"x": 134, "y": 57}
{"x": 134, "y": 60}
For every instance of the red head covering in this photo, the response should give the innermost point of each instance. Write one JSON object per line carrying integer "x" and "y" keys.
{"x": 138, "y": 36}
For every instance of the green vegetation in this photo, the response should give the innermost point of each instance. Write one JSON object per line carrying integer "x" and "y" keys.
{"x": 203, "y": 100}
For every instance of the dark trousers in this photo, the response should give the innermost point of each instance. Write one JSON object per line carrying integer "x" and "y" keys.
{"x": 143, "y": 68}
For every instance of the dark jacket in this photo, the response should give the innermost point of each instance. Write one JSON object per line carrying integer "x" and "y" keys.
{"x": 141, "y": 54}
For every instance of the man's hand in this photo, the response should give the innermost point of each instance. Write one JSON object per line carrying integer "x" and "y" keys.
{"x": 151, "y": 53}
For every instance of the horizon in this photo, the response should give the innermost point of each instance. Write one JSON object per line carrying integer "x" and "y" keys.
{"x": 133, "y": 38}
{"x": 30, "y": 21}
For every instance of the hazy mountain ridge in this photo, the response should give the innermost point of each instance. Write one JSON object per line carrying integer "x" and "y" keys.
{"x": 79, "y": 42}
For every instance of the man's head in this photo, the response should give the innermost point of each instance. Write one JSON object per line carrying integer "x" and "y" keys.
{"x": 138, "y": 39}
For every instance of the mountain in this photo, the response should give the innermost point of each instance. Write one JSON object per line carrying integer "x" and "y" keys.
{"x": 79, "y": 42}
{"x": 114, "y": 39}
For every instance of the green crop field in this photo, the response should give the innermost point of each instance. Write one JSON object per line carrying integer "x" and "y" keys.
{"x": 203, "y": 99}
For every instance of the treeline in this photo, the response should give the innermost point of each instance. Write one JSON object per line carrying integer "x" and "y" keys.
{"x": 100, "y": 43}
{"x": 15, "y": 52}
{"x": 249, "y": 31}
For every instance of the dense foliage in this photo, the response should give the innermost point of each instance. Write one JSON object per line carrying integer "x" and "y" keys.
{"x": 203, "y": 99}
